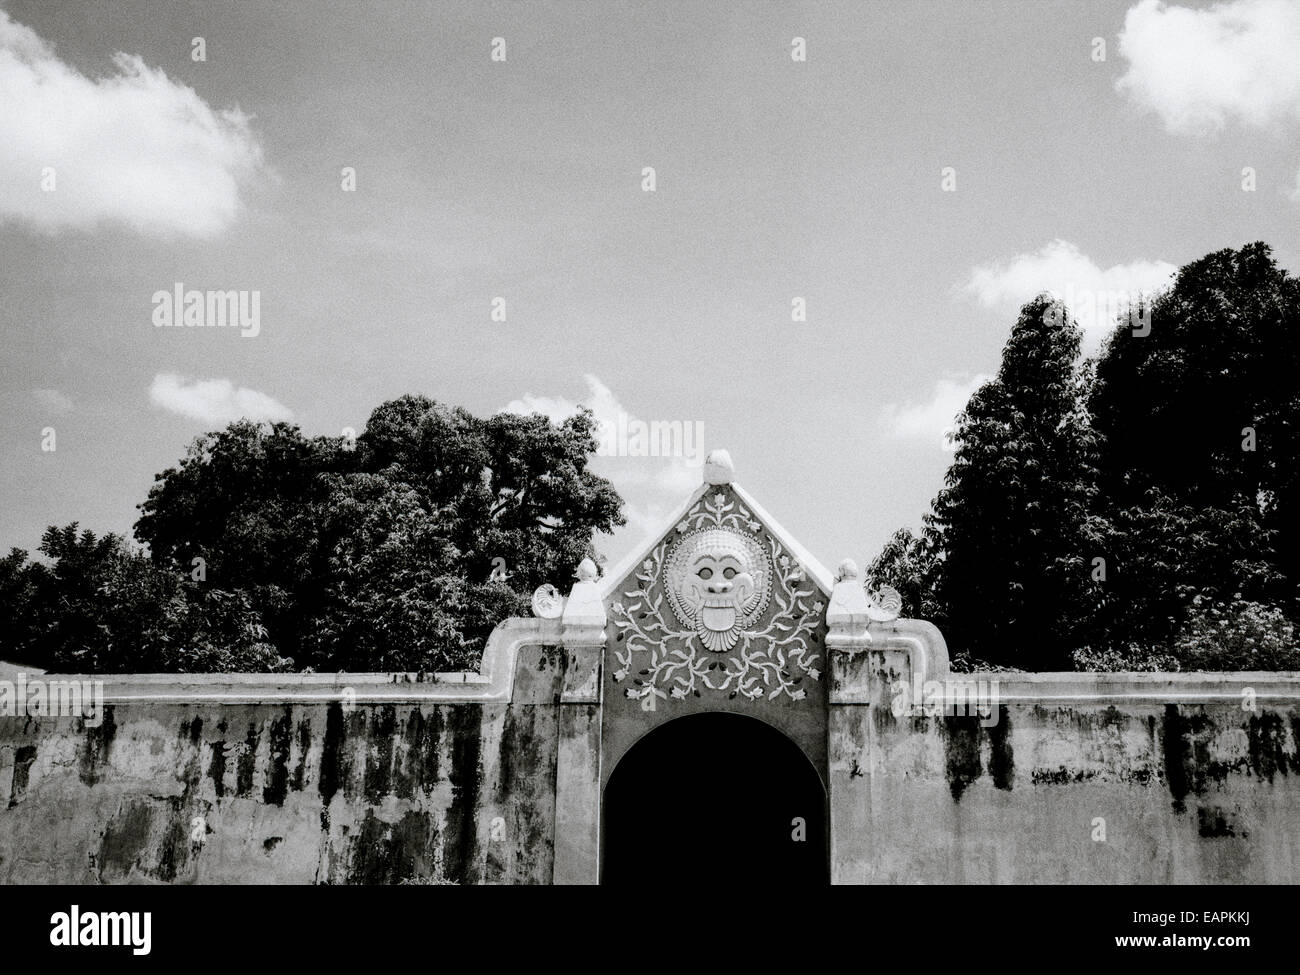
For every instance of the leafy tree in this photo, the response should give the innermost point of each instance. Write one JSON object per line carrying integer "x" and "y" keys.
{"x": 1236, "y": 634}
{"x": 21, "y": 594}
{"x": 101, "y": 607}
{"x": 380, "y": 557}
{"x": 1161, "y": 554}
{"x": 243, "y": 501}
{"x": 909, "y": 564}
{"x": 1144, "y": 518}
{"x": 1199, "y": 423}
{"x": 1206, "y": 408}
{"x": 1012, "y": 529}
{"x": 513, "y": 488}
{"x": 393, "y": 598}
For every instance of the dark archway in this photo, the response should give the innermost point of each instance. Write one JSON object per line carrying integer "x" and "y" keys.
{"x": 714, "y": 797}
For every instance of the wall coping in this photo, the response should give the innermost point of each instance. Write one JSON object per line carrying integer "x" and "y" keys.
{"x": 494, "y": 681}
{"x": 1149, "y": 685}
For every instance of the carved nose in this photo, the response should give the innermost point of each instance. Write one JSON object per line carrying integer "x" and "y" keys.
{"x": 720, "y": 587}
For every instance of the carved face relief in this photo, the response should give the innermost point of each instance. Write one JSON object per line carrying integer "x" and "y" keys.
{"x": 717, "y": 572}
{"x": 719, "y": 582}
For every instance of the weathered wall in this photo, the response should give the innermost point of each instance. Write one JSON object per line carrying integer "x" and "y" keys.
{"x": 1082, "y": 778}
{"x": 495, "y": 777}
{"x": 295, "y": 792}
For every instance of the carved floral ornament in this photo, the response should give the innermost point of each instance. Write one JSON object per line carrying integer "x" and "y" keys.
{"x": 695, "y": 623}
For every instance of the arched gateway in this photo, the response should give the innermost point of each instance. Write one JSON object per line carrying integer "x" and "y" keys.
{"x": 706, "y": 655}
{"x": 715, "y": 666}
{"x": 724, "y": 798}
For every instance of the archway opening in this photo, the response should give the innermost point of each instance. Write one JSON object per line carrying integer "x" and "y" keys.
{"x": 715, "y": 797}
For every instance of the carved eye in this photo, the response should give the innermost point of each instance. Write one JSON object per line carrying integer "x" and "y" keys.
{"x": 728, "y": 572}
{"x": 705, "y": 573}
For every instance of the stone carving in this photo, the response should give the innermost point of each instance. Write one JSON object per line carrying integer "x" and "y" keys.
{"x": 718, "y": 608}
{"x": 719, "y": 582}
{"x": 548, "y": 604}
{"x": 718, "y": 468}
{"x": 885, "y": 604}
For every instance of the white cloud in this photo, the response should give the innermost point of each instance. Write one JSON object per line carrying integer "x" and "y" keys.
{"x": 1200, "y": 68}
{"x": 600, "y": 400}
{"x": 932, "y": 420}
{"x": 623, "y": 436}
{"x": 216, "y": 402}
{"x": 1094, "y": 296}
{"x": 52, "y": 401}
{"x": 133, "y": 147}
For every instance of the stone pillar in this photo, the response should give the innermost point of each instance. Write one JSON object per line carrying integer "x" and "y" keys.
{"x": 577, "y": 774}
{"x": 871, "y": 652}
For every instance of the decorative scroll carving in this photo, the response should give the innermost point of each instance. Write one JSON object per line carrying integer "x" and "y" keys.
{"x": 885, "y": 604}
{"x": 718, "y": 608}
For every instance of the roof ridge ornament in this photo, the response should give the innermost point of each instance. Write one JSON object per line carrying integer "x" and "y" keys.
{"x": 718, "y": 468}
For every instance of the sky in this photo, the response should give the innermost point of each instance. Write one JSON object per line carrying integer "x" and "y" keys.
{"x": 922, "y": 171}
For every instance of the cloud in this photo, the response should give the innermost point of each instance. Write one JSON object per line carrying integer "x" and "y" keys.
{"x": 134, "y": 147}
{"x": 600, "y": 400}
{"x": 932, "y": 420}
{"x": 215, "y": 402}
{"x": 626, "y": 437}
{"x": 1199, "y": 68}
{"x": 1094, "y": 296}
{"x": 52, "y": 401}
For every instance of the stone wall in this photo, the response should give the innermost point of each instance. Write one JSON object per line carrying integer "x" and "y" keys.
{"x": 1072, "y": 778}
{"x": 495, "y": 777}
{"x": 306, "y": 779}
{"x": 279, "y": 794}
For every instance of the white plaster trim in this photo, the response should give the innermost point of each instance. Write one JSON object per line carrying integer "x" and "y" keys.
{"x": 927, "y": 649}
{"x": 1149, "y": 686}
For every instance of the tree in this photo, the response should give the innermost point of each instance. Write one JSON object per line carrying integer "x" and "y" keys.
{"x": 1139, "y": 512}
{"x": 380, "y": 557}
{"x": 101, "y": 607}
{"x": 22, "y": 591}
{"x": 908, "y": 563}
{"x": 1199, "y": 425}
{"x": 243, "y": 502}
{"x": 1005, "y": 562}
{"x": 393, "y": 599}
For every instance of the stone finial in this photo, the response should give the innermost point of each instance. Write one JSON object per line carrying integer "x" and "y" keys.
{"x": 718, "y": 468}
{"x": 583, "y": 621}
{"x": 849, "y": 612}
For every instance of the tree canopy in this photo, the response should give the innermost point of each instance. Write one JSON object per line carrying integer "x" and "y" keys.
{"x": 1136, "y": 511}
{"x": 269, "y": 550}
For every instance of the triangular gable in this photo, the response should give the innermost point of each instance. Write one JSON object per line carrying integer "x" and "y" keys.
{"x": 617, "y": 575}
{"x": 721, "y": 608}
